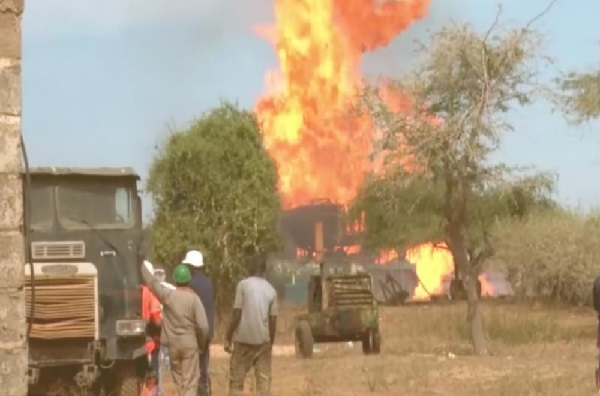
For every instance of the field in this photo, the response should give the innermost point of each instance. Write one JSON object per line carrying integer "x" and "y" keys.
{"x": 534, "y": 350}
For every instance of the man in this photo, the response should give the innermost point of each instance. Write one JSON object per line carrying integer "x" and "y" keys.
{"x": 252, "y": 330}
{"x": 184, "y": 326}
{"x": 203, "y": 287}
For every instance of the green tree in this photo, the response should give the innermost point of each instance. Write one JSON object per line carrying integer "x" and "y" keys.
{"x": 214, "y": 187}
{"x": 579, "y": 96}
{"x": 436, "y": 149}
{"x": 550, "y": 254}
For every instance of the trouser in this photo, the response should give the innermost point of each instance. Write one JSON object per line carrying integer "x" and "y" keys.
{"x": 205, "y": 388}
{"x": 243, "y": 358}
{"x": 185, "y": 369}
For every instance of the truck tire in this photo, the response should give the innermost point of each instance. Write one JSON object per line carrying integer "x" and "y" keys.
{"x": 371, "y": 342}
{"x": 304, "y": 340}
{"x": 121, "y": 381}
{"x": 128, "y": 386}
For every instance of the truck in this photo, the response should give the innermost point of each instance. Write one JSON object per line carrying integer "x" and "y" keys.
{"x": 84, "y": 240}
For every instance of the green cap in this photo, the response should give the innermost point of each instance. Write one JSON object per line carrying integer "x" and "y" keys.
{"x": 181, "y": 274}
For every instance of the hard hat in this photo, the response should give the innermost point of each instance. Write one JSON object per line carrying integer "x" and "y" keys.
{"x": 194, "y": 258}
{"x": 181, "y": 274}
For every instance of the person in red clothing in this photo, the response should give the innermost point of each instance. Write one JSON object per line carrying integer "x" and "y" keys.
{"x": 151, "y": 313}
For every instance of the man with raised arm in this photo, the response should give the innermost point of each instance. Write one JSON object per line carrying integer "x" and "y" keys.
{"x": 184, "y": 326}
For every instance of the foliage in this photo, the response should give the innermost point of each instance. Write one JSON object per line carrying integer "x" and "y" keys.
{"x": 579, "y": 96}
{"x": 214, "y": 188}
{"x": 438, "y": 139}
{"x": 398, "y": 213}
{"x": 552, "y": 254}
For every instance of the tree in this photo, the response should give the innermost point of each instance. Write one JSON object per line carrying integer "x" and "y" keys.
{"x": 438, "y": 138}
{"x": 579, "y": 96}
{"x": 214, "y": 187}
{"x": 550, "y": 254}
{"x": 13, "y": 340}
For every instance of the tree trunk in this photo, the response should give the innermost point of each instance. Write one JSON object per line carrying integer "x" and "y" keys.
{"x": 13, "y": 342}
{"x": 469, "y": 275}
{"x": 456, "y": 210}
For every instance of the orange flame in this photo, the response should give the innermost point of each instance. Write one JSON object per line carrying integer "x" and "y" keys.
{"x": 433, "y": 263}
{"x": 320, "y": 147}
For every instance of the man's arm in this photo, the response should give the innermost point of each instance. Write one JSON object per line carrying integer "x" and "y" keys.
{"x": 153, "y": 283}
{"x": 236, "y": 315}
{"x": 273, "y": 319}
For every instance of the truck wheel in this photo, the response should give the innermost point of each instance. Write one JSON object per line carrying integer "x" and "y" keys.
{"x": 304, "y": 340}
{"x": 128, "y": 386}
{"x": 371, "y": 342}
{"x": 121, "y": 381}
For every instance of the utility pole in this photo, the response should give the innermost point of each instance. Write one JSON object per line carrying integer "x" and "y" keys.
{"x": 13, "y": 340}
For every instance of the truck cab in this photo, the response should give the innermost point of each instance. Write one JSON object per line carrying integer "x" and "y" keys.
{"x": 83, "y": 285}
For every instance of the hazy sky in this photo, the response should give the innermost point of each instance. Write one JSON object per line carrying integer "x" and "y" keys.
{"x": 104, "y": 79}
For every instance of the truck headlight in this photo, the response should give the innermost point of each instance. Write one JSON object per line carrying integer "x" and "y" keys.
{"x": 132, "y": 327}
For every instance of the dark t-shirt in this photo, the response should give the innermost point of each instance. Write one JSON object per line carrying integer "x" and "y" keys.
{"x": 203, "y": 287}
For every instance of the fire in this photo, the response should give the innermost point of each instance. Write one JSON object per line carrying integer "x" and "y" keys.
{"x": 433, "y": 264}
{"x": 320, "y": 147}
{"x": 487, "y": 287}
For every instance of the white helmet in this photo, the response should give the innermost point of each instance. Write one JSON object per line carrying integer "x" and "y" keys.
{"x": 194, "y": 258}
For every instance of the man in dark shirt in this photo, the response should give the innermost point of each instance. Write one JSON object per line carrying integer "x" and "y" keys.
{"x": 203, "y": 287}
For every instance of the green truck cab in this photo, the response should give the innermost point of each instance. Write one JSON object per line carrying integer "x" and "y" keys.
{"x": 84, "y": 294}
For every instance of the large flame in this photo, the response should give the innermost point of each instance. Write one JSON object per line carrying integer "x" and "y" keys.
{"x": 320, "y": 146}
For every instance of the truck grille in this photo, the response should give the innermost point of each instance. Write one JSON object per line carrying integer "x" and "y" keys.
{"x": 64, "y": 307}
{"x": 62, "y": 250}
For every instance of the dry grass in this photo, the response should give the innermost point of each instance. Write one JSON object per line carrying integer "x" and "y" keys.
{"x": 535, "y": 350}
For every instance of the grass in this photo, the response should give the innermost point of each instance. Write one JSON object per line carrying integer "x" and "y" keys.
{"x": 534, "y": 350}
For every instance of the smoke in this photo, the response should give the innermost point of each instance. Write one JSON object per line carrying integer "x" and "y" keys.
{"x": 52, "y": 18}
{"x": 398, "y": 57}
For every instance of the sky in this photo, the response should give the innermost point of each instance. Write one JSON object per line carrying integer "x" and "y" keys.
{"x": 105, "y": 80}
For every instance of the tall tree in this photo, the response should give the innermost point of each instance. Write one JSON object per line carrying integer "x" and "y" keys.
{"x": 438, "y": 138}
{"x": 214, "y": 187}
{"x": 13, "y": 344}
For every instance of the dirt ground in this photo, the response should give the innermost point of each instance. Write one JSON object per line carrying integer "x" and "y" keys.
{"x": 534, "y": 350}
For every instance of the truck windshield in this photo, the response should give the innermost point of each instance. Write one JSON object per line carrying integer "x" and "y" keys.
{"x": 99, "y": 205}
{"x": 42, "y": 207}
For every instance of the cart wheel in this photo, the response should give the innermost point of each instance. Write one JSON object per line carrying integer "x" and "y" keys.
{"x": 371, "y": 342}
{"x": 304, "y": 340}
{"x": 376, "y": 342}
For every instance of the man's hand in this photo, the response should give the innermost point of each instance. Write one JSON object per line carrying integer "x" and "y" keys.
{"x": 149, "y": 266}
{"x": 227, "y": 346}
